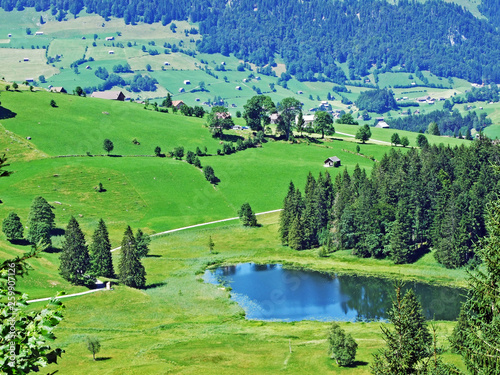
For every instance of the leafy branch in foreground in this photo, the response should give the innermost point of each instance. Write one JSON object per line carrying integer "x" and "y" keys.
{"x": 25, "y": 336}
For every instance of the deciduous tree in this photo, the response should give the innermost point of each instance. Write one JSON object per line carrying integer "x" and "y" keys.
{"x": 323, "y": 123}
{"x": 288, "y": 109}
{"x": 342, "y": 347}
{"x": 364, "y": 133}
{"x": 108, "y": 145}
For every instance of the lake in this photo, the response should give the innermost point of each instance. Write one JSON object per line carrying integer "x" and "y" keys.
{"x": 271, "y": 292}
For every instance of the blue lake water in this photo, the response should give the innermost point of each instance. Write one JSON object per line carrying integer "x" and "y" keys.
{"x": 271, "y": 292}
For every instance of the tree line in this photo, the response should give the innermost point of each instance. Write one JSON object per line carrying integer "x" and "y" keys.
{"x": 432, "y": 198}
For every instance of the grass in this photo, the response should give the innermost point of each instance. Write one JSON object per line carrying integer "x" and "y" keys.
{"x": 182, "y": 325}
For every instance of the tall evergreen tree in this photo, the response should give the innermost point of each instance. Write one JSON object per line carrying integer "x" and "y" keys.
{"x": 12, "y": 227}
{"x": 75, "y": 259}
{"x": 100, "y": 252}
{"x": 286, "y": 214}
{"x": 409, "y": 343}
{"x": 476, "y": 336}
{"x": 132, "y": 272}
{"x": 142, "y": 241}
{"x": 296, "y": 236}
{"x": 40, "y": 221}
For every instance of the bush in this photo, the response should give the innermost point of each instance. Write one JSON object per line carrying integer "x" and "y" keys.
{"x": 342, "y": 347}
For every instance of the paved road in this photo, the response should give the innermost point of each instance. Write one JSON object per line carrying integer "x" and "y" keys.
{"x": 100, "y": 284}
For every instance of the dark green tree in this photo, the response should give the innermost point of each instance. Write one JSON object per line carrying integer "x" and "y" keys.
{"x": 131, "y": 270}
{"x": 190, "y": 157}
{"x": 108, "y": 145}
{"x": 247, "y": 216}
{"x": 218, "y": 120}
{"x": 347, "y": 119}
{"x": 3, "y": 164}
{"x": 101, "y": 260}
{"x": 178, "y": 152}
{"x": 296, "y": 234}
{"x": 15, "y": 86}
{"x": 209, "y": 173}
{"x": 257, "y": 110}
{"x": 79, "y": 91}
{"x": 422, "y": 141}
{"x": 53, "y": 103}
{"x": 167, "y": 102}
{"x": 40, "y": 221}
{"x": 342, "y": 348}
{"x": 408, "y": 343}
{"x": 364, "y": 133}
{"x": 323, "y": 123}
{"x": 142, "y": 241}
{"x": 12, "y": 227}
{"x": 395, "y": 140}
{"x": 405, "y": 141}
{"x": 157, "y": 151}
{"x": 286, "y": 217}
{"x": 288, "y": 109}
{"x": 475, "y": 336}
{"x": 75, "y": 260}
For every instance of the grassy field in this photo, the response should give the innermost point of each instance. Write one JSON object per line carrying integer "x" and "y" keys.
{"x": 179, "y": 324}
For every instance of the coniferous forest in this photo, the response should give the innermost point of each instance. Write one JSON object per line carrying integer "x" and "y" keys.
{"x": 313, "y": 37}
{"x": 430, "y": 198}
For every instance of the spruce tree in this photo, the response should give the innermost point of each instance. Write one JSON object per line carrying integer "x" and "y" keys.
{"x": 247, "y": 216}
{"x": 75, "y": 259}
{"x": 12, "y": 227}
{"x": 476, "y": 335}
{"x": 296, "y": 235}
{"x": 40, "y": 221}
{"x": 142, "y": 241}
{"x": 100, "y": 252}
{"x": 132, "y": 272}
{"x": 409, "y": 343}
{"x": 285, "y": 215}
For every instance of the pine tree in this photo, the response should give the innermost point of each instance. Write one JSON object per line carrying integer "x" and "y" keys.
{"x": 40, "y": 221}
{"x": 476, "y": 336}
{"x": 342, "y": 347}
{"x": 100, "y": 252}
{"x": 296, "y": 235}
{"x": 142, "y": 241}
{"x": 409, "y": 343}
{"x": 400, "y": 238}
{"x": 132, "y": 272}
{"x": 12, "y": 227}
{"x": 309, "y": 216}
{"x": 285, "y": 215}
{"x": 75, "y": 259}
{"x": 247, "y": 216}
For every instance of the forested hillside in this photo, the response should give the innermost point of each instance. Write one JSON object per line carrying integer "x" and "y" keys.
{"x": 313, "y": 37}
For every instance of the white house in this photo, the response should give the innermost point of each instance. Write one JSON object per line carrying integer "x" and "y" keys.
{"x": 110, "y": 38}
{"x": 187, "y": 82}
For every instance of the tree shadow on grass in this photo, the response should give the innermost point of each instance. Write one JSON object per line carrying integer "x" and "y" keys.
{"x": 6, "y": 113}
{"x": 22, "y": 242}
{"x": 153, "y": 256}
{"x": 154, "y": 285}
{"x": 357, "y": 364}
{"x": 102, "y": 358}
{"x": 230, "y": 137}
{"x": 52, "y": 250}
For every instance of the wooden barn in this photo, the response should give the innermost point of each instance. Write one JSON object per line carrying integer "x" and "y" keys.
{"x": 332, "y": 162}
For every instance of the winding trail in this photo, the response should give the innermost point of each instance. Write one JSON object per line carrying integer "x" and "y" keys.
{"x": 100, "y": 284}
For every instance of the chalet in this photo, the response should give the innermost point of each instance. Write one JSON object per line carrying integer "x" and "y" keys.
{"x": 111, "y": 52}
{"x": 181, "y": 89}
{"x": 332, "y": 162}
{"x": 110, "y": 38}
{"x": 257, "y": 78}
{"x": 245, "y": 79}
{"x": 60, "y": 90}
{"x": 223, "y": 115}
{"x": 39, "y": 33}
{"x": 110, "y": 95}
{"x": 237, "y": 127}
{"x": 26, "y": 59}
{"x": 238, "y": 87}
{"x": 187, "y": 82}
{"x": 9, "y": 35}
{"x": 300, "y": 92}
{"x": 382, "y": 124}
{"x": 166, "y": 63}
{"x": 223, "y": 63}
{"x": 87, "y": 67}
{"x": 177, "y": 104}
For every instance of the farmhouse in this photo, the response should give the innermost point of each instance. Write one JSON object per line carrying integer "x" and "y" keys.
{"x": 111, "y": 52}
{"x": 178, "y": 104}
{"x": 332, "y": 162}
{"x": 181, "y": 89}
{"x": 308, "y": 120}
{"x": 382, "y": 124}
{"x": 60, "y": 90}
{"x": 39, "y": 33}
{"x": 166, "y": 63}
{"x": 238, "y": 87}
{"x": 110, "y": 38}
{"x": 30, "y": 79}
{"x": 300, "y": 92}
{"x": 9, "y": 35}
{"x": 187, "y": 82}
{"x": 26, "y": 59}
{"x": 110, "y": 95}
